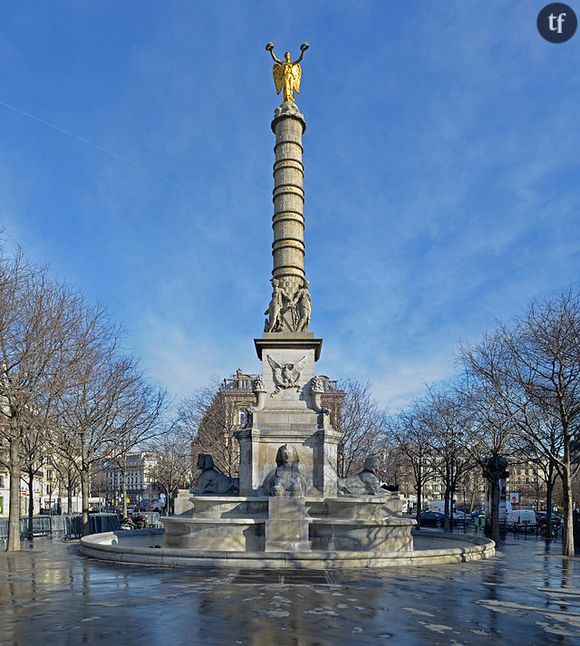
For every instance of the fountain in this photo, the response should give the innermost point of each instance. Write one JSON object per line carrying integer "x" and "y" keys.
{"x": 288, "y": 508}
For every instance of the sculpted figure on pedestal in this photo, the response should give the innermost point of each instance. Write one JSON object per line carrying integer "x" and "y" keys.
{"x": 365, "y": 483}
{"x": 298, "y": 305}
{"x": 278, "y": 305}
{"x": 287, "y": 73}
{"x": 212, "y": 481}
{"x": 286, "y": 479}
{"x": 302, "y": 308}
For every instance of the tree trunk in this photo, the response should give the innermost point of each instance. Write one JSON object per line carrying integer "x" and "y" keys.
{"x": 568, "y": 527}
{"x": 472, "y": 499}
{"x": 495, "y": 535}
{"x": 124, "y": 484}
{"x": 13, "y": 541}
{"x": 123, "y": 467}
{"x": 446, "y": 519}
{"x": 69, "y": 492}
{"x": 549, "y": 494}
{"x": 30, "y": 504}
{"x": 419, "y": 499}
{"x": 85, "y": 484}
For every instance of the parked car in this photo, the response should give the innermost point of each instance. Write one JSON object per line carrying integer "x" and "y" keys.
{"x": 431, "y": 519}
{"x": 459, "y": 518}
{"x": 541, "y": 519}
{"x": 521, "y": 519}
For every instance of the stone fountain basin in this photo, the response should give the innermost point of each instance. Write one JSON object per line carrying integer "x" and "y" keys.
{"x": 343, "y": 507}
{"x": 236, "y": 523}
{"x": 389, "y": 534}
{"x": 227, "y": 534}
{"x": 145, "y": 547}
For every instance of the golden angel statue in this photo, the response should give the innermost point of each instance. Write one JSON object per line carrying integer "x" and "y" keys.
{"x": 287, "y": 73}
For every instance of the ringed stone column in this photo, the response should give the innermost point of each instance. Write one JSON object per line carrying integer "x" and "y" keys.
{"x": 288, "y": 219}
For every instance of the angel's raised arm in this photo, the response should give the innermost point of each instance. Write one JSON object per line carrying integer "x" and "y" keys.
{"x": 270, "y": 48}
{"x": 303, "y": 48}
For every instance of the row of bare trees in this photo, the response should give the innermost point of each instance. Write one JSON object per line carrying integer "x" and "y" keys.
{"x": 68, "y": 395}
{"x": 517, "y": 397}
{"x": 528, "y": 375}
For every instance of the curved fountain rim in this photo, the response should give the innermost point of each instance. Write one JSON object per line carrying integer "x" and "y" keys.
{"x": 388, "y": 521}
{"x": 471, "y": 548}
{"x": 307, "y": 499}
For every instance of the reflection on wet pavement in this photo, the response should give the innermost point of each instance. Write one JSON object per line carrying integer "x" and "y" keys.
{"x": 529, "y": 594}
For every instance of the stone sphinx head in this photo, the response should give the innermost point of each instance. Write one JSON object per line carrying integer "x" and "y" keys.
{"x": 205, "y": 462}
{"x": 287, "y": 456}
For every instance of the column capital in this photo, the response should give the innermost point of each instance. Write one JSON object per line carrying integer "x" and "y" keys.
{"x": 290, "y": 110}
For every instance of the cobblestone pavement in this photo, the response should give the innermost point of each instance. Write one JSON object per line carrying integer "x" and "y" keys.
{"x": 528, "y": 595}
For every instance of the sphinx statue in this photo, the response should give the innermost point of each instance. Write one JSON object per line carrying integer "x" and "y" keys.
{"x": 212, "y": 482}
{"x": 366, "y": 482}
{"x": 285, "y": 479}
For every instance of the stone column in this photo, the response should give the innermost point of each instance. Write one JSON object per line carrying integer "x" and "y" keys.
{"x": 288, "y": 219}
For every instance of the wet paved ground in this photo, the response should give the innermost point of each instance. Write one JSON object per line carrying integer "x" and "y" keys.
{"x": 528, "y": 595}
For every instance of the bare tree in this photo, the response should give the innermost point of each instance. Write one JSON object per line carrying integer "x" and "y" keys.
{"x": 139, "y": 421}
{"x": 67, "y": 476}
{"x": 363, "y": 426}
{"x": 412, "y": 436}
{"x": 34, "y": 445}
{"x": 546, "y": 468}
{"x": 172, "y": 464}
{"x": 536, "y": 376}
{"x": 472, "y": 484}
{"x": 446, "y": 417}
{"x": 491, "y": 436}
{"x": 40, "y": 340}
{"x": 210, "y": 417}
{"x": 95, "y": 411}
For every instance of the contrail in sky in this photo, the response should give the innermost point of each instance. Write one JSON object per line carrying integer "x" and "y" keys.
{"x": 88, "y": 142}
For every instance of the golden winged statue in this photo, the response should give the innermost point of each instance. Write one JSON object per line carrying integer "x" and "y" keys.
{"x": 287, "y": 73}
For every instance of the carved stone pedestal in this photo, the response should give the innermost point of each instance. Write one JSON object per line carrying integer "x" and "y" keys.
{"x": 288, "y": 415}
{"x": 286, "y": 527}
{"x": 309, "y": 433}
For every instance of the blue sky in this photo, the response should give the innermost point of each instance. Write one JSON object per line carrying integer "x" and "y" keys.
{"x": 442, "y": 173}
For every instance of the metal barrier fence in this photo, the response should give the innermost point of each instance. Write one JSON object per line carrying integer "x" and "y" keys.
{"x": 98, "y": 523}
{"x": 67, "y": 525}
{"x": 70, "y": 525}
